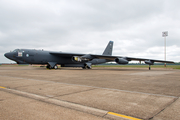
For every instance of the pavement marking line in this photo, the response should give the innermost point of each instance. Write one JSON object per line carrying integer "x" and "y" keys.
{"x": 2, "y": 87}
{"x": 66, "y": 104}
{"x": 123, "y": 116}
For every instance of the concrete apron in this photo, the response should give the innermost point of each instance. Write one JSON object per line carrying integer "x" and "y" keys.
{"x": 96, "y": 101}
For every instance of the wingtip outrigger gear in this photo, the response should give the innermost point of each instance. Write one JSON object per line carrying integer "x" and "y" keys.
{"x": 149, "y": 67}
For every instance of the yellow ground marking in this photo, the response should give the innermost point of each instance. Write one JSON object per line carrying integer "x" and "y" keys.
{"x": 123, "y": 116}
{"x": 2, "y": 87}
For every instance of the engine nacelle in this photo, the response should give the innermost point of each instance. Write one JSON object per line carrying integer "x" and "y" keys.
{"x": 121, "y": 61}
{"x": 84, "y": 58}
{"x": 149, "y": 62}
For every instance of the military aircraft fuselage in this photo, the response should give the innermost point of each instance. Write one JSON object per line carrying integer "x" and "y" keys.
{"x": 32, "y": 56}
{"x": 52, "y": 59}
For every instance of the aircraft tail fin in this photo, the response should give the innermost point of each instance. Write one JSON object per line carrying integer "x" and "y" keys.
{"x": 109, "y": 48}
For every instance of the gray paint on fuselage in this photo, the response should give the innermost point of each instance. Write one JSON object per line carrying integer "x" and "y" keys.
{"x": 32, "y": 56}
{"x": 42, "y": 57}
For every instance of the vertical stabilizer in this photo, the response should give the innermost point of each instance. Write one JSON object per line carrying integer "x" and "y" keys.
{"x": 109, "y": 48}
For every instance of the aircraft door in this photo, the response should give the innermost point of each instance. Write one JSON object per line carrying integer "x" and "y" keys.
{"x": 20, "y": 54}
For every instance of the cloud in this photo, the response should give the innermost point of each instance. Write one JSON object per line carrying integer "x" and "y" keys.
{"x": 85, "y": 26}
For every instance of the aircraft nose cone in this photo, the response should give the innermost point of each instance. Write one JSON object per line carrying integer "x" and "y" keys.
{"x": 8, "y": 55}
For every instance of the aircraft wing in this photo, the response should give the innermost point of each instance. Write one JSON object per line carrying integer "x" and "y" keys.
{"x": 62, "y": 54}
{"x": 112, "y": 58}
{"x": 143, "y": 59}
{"x": 107, "y": 57}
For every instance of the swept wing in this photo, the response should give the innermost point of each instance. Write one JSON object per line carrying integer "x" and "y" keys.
{"x": 129, "y": 58}
{"x": 107, "y": 57}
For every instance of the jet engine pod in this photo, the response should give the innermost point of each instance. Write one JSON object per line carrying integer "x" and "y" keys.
{"x": 86, "y": 57}
{"x": 149, "y": 62}
{"x": 76, "y": 59}
{"x": 121, "y": 61}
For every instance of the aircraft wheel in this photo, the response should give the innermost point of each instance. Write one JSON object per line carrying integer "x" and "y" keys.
{"x": 85, "y": 67}
{"x": 48, "y": 67}
{"x": 89, "y": 67}
{"x": 55, "y": 67}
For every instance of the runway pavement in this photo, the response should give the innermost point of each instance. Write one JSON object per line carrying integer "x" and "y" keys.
{"x": 101, "y": 93}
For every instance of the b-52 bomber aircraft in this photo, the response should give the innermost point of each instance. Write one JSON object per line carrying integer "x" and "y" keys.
{"x": 52, "y": 59}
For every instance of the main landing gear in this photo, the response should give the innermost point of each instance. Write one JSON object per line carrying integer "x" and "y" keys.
{"x": 87, "y": 67}
{"x": 49, "y": 67}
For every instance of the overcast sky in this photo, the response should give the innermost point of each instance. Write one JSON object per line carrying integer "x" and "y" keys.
{"x": 86, "y": 26}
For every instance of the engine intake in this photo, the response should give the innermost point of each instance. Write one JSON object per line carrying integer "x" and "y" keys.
{"x": 76, "y": 59}
{"x": 121, "y": 61}
{"x": 84, "y": 58}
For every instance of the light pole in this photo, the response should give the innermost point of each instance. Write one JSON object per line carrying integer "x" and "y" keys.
{"x": 164, "y": 34}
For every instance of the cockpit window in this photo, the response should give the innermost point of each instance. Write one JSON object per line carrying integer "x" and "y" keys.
{"x": 18, "y": 50}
